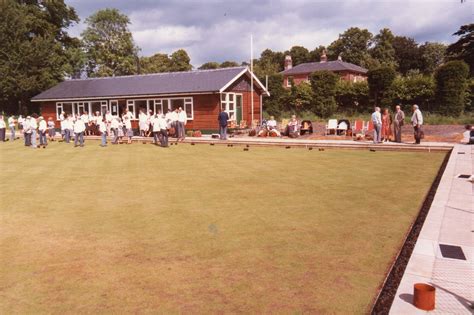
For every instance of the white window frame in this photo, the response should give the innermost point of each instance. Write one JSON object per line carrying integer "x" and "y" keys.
{"x": 114, "y": 103}
{"x": 226, "y": 102}
{"x": 288, "y": 81}
{"x": 59, "y": 105}
{"x": 132, "y": 104}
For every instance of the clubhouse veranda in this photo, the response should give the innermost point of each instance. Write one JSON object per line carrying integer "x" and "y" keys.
{"x": 201, "y": 93}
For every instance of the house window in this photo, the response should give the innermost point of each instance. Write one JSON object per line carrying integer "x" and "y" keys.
{"x": 64, "y": 107}
{"x": 229, "y": 104}
{"x": 288, "y": 81}
{"x": 98, "y": 106}
{"x": 114, "y": 108}
{"x": 131, "y": 108}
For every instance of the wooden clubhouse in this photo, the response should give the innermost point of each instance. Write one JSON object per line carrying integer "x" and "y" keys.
{"x": 201, "y": 93}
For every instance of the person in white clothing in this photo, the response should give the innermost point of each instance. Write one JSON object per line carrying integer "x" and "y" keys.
{"x": 86, "y": 119}
{"x": 155, "y": 122}
{"x": 42, "y": 127}
{"x": 377, "y": 121}
{"x": 417, "y": 122}
{"x": 142, "y": 123}
{"x": 51, "y": 129}
{"x": 103, "y": 132}
{"x": 174, "y": 123}
{"x": 182, "y": 120}
{"x": 114, "y": 126}
{"x": 27, "y": 131}
{"x": 33, "y": 127}
{"x": 21, "y": 122}
{"x": 108, "y": 122}
{"x": 169, "y": 118}
{"x": 11, "y": 125}
{"x": 3, "y": 129}
{"x": 128, "y": 126}
{"x": 163, "y": 126}
{"x": 79, "y": 128}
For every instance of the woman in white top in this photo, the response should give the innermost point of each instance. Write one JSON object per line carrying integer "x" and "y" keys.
{"x": 79, "y": 129}
{"x": 103, "y": 132}
{"x": 51, "y": 129}
{"x": 33, "y": 127}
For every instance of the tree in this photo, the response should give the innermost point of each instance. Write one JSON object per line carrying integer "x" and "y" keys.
{"x": 269, "y": 63}
{"x": 276, "y": 102}
{"x": 315, "y": 54}
{"x": 352, "y": 97}
{"x": 109, "y": 44}
{"x": 229, "y": 64}
{"x": 352, "y": 45}
{"x": 209, "y": 65}
{"x": 463, "y": 48}
{"x": 380, "y": 81}
{"x": 451, "y": 87}
{"x": 323, "y": 85}
{"x": 413, "y": 89}
{"x": 407, "y": 54}
{"x": 298, "y": 54}
{"x": 180, "y": 61}
{"x": 300, "y": 97}
{"x": 155, "y": 64}
{"x": 383, "y": 50}
{"x": 431, "y": 56}
{"x": 34, "y": 48}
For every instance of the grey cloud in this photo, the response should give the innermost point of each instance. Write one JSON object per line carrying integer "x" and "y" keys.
{"x": 220, "y": 30}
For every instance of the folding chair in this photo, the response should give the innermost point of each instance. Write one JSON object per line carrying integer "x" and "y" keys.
{"x": 357, "y": 128}
{"x": 332, "y": 125}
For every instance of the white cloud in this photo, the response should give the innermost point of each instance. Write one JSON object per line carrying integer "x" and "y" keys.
{"x": 215, "y": 30}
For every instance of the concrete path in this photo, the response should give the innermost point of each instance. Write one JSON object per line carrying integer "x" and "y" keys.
{"x": 450, "y": 221}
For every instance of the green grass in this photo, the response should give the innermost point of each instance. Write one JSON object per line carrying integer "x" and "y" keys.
{"x": 202, "y": 229}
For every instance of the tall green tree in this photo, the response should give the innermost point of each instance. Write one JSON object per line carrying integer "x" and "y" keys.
{"x": 432, "y": 55}
{"x": 407, "y": 54}
{"x": 380, "y": 81}
{"x": 451, "y": 87}
{"x": 269, "y": 63}
{"x": 383, "y": 50}
{"x": 353, "y": 46}
{"x": 34, "y": 47}
{"x": 109, "y": 45}
{"x": 463, "y": 48}
{"x": 209, "y": 65}
{"x": 155, "y": 64}
{"x": 180, "y": 61}
{"x": 276, "y": 102}
{"x": 323, "y": 85}
{"x": 315, "y": 54}
{"x": 299, "y": 54}
{"x": 229, "y": 64}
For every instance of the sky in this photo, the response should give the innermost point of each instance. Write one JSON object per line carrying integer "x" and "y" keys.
{"x": 212, "y": 30}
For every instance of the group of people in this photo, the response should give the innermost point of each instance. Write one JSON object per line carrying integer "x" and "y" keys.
{"x": 383, "y": 124}
{"x": 75, "y": 127}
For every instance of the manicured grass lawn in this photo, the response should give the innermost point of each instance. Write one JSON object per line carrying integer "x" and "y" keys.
{"x": 202, "y": 229}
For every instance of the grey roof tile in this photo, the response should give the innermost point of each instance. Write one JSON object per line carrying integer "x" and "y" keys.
{"x": 336, "y": 65}
{"x": 148, "y": 84}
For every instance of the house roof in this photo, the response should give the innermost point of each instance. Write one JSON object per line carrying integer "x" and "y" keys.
{"x": 337, "y": 65}
{"x": 188, "y": 82}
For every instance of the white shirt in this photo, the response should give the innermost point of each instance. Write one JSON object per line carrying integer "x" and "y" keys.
{"x": 142, "y": 117}
{"x": 85, "y": 118}
{"x": 182, "y": 117}
{"x": 11, "y": 121}
{"x": 174, "y": 116}
{"x": 376, "y": 118}
{"x": 69, "y": 123}
{"x": 21, "y": 120}
{"x": 2, "y": 124}
{"x": 79, "y": 126}
{"x": 272, "y": 123}
{"x": 162, "y": 123}
{"x": 33, "y": 123}
{"x": 108, "y": 117}
{"x": 155, "y": 121}
{"x": 102, "y": 127}
{"x": 42, "y": 125}
{"x": 114, "y": 124}
{"x": 26, "y": 126}
{"x": 417, "y": 118}
{"x": 61, "y": 117}
{"x": 128, "y": 124}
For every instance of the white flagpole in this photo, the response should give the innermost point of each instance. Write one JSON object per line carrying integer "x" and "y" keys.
{"x": 251, "y": 76}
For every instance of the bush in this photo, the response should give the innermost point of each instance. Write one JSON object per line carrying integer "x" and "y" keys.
{"x": 380, "y": 80}
{"x": 352, "y": 97}
{"x": 300, "y": 97}
{"x": 416, "y": 89}
{"x": 451, "y": 86}
{"x": 323, "y": 84}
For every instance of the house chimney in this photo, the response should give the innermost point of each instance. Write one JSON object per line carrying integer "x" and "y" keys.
{"x": 288, "y": 62}
{"x": 324, "y": 58}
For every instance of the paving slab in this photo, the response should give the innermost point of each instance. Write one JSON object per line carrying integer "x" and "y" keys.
{"x": 450, "y": 221}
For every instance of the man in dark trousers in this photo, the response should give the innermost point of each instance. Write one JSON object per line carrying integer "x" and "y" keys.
{"x": 223, "y": 118}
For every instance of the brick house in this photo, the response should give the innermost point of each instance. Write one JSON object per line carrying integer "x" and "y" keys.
{"x": 300, "y": 73}
{"x": 201, "y": 93}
